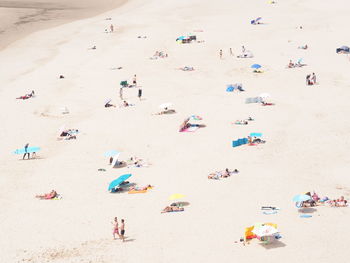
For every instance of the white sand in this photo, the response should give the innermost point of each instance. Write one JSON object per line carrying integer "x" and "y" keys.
{"x": 306, "y": 131}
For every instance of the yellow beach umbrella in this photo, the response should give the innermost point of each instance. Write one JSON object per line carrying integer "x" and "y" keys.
{"x": 176, "y": 196}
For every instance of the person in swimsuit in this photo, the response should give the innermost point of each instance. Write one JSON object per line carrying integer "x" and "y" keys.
{"x": 48, "y": 196}
{"x": 115, "y": 228}
{"x": 134, "y": 82}
{"x": 139, "y": 93}
{"x": 122, "y": 230}
{"x": 220, "y": 53}
{"x": 25, "y": 151}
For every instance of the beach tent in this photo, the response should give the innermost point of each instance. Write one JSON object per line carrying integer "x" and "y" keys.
{"x": 343, "y": 50}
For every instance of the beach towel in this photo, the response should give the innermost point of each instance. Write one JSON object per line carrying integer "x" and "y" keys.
{"x": 137, "y": 191}
{"x": 253, "y": 100}
{"x": 191, "y": 129}
{"x": 239, "y": 142}
{"x": 305, "y": 216}
{"x": 270, "y": 212}
{"x": 255, "y": 134}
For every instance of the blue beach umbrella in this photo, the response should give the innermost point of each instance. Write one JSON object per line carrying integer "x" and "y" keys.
{"x": 111, "y": 153}
{"x": 301, "y": 198}
{"x": 118, "y": 181}
{"x": 256, "y": 66}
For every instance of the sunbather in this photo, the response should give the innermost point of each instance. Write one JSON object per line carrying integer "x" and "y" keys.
{"x": 27, "y": 96}
{"x": 186, "y": 68}
{"x": 48, "y": 196}
{"x": 172, "y": 209}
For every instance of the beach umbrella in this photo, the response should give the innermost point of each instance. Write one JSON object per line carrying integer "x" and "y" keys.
{"x": 118, "y": 181}
{"x": 301, "y": 198}
{"x": 265, "y": 230}
{"x": 111, "y": 153}
{"x": 258, "y": 19}
{"x": 176, "y": 196}
{"x": 255, "y": 66}
{"x": 180, "y": 38}
{"x": 165, "y": 105}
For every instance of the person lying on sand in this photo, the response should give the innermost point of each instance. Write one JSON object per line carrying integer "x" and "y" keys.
{"x": 172, "y": 209}
{"x": 48, "y": 196}
{"x": 222, "y": 174}
{"x": 109, "y": 104}
{"x": 166, "y": 111}
{"x": 303, "y": 47}
{"x": 70, "y": 134}
{"x": 186, "y": 68}
{"x": 241, "y": 122}
{"x": 27, "y": 96}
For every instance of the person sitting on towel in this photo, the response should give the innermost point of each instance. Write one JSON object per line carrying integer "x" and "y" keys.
{"x": 134, "y": 188}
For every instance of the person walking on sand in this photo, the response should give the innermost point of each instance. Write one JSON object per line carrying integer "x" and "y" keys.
{"x": 220, "y": 53}
{"x": 115, "y": 228}
{"x": 231, "y": 53}
{"x": 122, "y": 230}
{"x": 139, "y": 94}
{"x": 111, "y": 27}
{"x": 26, "y": 151}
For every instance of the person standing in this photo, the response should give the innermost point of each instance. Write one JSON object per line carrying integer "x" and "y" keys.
{"x": 139, "y": 93}
{"x": 134, "y": 81}
{"x": 308, "y": 79}
{"x": 313, "y": 78}
{"x": 220, "y": 53}
{"x": 26, "y": 151}
{"x": 231, "y": 53}
{"x": 122, "y": 230}
{"x": 121, "y": 93}
{"x": 111, "y": 27}
{"x": 115, "y": 227}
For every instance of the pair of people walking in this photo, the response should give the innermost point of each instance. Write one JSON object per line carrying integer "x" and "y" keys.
{"x": 119, "y": 230}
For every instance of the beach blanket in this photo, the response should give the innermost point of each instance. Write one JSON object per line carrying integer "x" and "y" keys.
{"x": 191, "y": 129}
{"x": 29, "y": 150}
{"x": 239, "y": 142}
{"x": 137, "y": 191}
{"x": 253, "y": 100}
{"x": 255, "y": 134}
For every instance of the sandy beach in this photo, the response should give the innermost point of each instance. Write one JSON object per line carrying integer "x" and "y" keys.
{"x": 19, "y": 18}
{"x": 306, "y": 149}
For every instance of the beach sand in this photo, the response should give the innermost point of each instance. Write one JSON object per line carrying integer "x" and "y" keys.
{"x": 22, "y": 17}
{"x": 306, "y": 131}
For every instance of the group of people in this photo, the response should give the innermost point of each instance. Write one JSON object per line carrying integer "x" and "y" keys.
{"x": 221, "y": 53}
{"x": 119, "y": 230}
{"x": 295, "y": 65}
{"x": 222, "y": 174}
{"x": 311, "y": 79}
{"x": 134, "y": 85}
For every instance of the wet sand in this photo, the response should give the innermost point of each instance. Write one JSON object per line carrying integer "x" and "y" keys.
{"x": 20, "y": 18}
